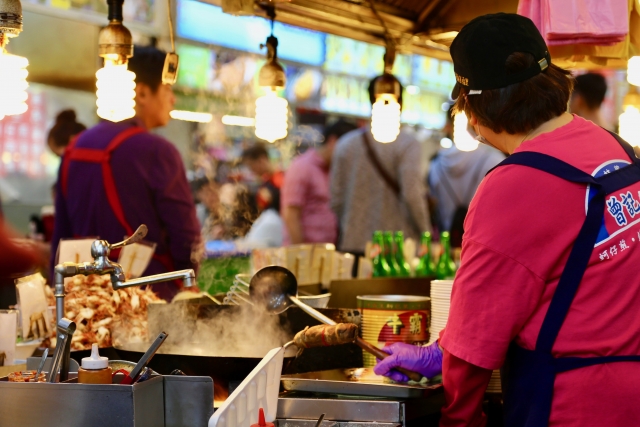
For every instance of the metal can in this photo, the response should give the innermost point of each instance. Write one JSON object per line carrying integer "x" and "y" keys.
{"x": 387, "y": 319}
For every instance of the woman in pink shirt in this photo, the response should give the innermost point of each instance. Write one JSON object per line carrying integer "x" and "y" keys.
{"x": 548, "y": 287}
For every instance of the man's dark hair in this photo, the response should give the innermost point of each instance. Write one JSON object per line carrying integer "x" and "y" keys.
{"x": 520, "y": 107}
{"x": 148, "y": 62}
{"x": 338, "y": 129}
{"x": 255, "y": 152}
{"x": 372, "y": 93}
{"x": 592, "y": 87}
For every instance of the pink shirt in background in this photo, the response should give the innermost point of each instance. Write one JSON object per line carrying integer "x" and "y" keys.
{"x": 306, "y": 185}
{"x": 519, "y": 230}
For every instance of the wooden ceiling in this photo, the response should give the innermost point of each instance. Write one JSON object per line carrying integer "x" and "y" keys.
{"x": 426, "y": 27}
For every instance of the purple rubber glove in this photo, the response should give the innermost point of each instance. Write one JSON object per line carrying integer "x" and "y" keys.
{"x": 424, "y": 360}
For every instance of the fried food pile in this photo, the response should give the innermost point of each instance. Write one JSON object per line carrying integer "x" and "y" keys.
{"x": 103, "y": 315}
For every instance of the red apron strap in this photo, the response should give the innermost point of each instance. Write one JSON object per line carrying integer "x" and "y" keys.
{"x": 122, "y": 137}
{"x": 109, "y": 182}
{"x": 65, "y": 163}
{"x": 103, "y": 157}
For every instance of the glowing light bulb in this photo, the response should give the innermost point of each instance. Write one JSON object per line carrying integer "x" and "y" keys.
{"x": 271, "y": 116}
{"x": 13, "y": 84}
{"x": 385, "y": 118}
{"x": 116, "y": 92}
{"x": 633, "y": 71}
{"x": 630, "y": 125}
{"x": 461, "y": 136}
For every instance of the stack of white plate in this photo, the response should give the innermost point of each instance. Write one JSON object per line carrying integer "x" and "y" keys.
{"x": 440, "y": 301}
{"x": 494, "y": 383}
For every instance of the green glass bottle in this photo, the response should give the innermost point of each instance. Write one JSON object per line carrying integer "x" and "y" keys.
{"x": 380, "y": 265}
{"x": 446, "y": 268}
{"x": 426, "y": 267}
{"x": 403, "y": 266}
{"x": 390, "y": 254}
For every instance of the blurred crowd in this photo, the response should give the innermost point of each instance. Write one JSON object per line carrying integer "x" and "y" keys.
{"x": 339, "y": 190}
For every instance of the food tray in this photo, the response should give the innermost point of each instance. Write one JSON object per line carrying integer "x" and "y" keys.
{"x": 355, "y": 381}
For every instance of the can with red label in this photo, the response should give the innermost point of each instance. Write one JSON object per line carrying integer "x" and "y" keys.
{"x": 393, "y": 318}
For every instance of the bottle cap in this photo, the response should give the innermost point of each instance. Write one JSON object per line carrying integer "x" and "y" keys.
{"x": 261, "y": 421}
{"x": 95, "y": 361}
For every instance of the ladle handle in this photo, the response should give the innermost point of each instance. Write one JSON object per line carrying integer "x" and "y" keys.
{"x": 312, "y": 312}
{"x": 413, "y": 376}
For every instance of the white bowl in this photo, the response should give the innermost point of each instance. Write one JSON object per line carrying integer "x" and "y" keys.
{"x": 316, "y": 301}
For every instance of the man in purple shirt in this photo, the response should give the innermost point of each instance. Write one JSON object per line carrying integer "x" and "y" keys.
{"x": 306, "y": 196}
{"x": 116, "y": 176}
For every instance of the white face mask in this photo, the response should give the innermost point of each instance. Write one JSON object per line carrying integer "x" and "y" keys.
{"x": 481, "y": 139}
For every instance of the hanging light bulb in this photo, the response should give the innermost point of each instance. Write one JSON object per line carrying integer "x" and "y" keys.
{"x": 461, "y": 136}
{"x": 630, "y": 118}
{"x": 116, "y": 92}
{"x": 13, "y": 69}
{"x": 385, "y": 111}
{"x": 272, "y": 111}
{"x": 115, "y": 83}
{"x": 633, "y": 71}
{"x": 13, "y": 84}
{"x": 385, "y": 118}
{"x": 271, "y": 116}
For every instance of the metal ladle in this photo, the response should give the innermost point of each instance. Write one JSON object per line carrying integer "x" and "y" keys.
{"x": 276, "y": 289}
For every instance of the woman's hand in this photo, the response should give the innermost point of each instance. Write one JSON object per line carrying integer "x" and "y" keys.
{"x": 424, "y": 360}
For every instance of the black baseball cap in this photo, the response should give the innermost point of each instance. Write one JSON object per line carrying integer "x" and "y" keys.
{"x": 480, "y": 50}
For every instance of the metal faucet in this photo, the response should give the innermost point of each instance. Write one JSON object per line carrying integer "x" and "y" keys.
{"x": 100, "y": 250}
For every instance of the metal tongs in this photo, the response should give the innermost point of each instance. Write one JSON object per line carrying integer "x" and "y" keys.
{"x": 61, "y": 357}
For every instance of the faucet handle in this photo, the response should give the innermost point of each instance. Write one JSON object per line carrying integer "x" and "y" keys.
{"x": 135, "y": 238}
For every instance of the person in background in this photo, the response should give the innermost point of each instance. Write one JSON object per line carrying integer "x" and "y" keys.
{"x": 18, "y": 258}
{"x": 134, "y": 178}
{"x": 256, "y": 159}
{"x": 454, "y": 177}
{"x": 65, "y": 128}
{"x": 265, "y": 232}
{"x": 306, "y": 196}
{"x": 364, "y": 201}
{"x": 587, "y": 97}
{"x": 208, "y": 197}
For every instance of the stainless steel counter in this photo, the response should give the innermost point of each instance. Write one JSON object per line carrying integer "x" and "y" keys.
{"x": 299, "y": 409}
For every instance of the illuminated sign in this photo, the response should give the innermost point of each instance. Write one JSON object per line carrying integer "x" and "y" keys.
{"x": 206, "y": 23}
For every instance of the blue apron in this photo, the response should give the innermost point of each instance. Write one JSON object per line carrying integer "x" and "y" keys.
{"x": 528, "y": 376}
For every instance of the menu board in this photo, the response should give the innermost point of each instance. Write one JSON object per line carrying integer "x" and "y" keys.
{"x": 22, "y": 140}
{"x": 207, "y": 23}
{"x": 133, "y": 10}
{"x": 347, "y": 95}
{"x": 196, "y": 64}
{"x": 424, "y": 108}
{"x": 433, "y": 74}
{"x": 353, "y": 57}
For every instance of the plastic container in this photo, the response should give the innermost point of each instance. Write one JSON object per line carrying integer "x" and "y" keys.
{"x": 259, "y": 390}
{"x": 94, "y": 369}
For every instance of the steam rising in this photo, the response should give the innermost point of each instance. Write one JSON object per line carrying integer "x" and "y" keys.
{"x": 236, "y": 331}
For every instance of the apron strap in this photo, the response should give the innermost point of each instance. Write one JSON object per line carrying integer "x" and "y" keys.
{"x": 548, "y": 164}
{"x": 572, "y": 274}
{"x": 103, "y": 157}
{"x": 583, "y": 246}
{"x": 564, "y": 364}
{"x": 625, "y": 146}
